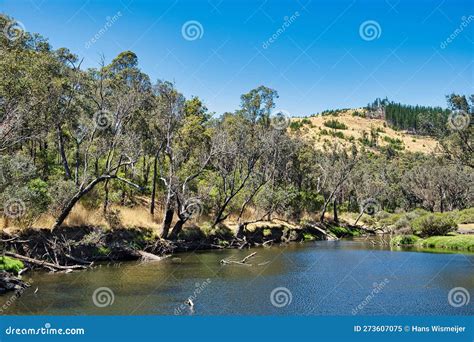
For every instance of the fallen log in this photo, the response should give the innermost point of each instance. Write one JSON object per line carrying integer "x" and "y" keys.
{"x": 248, "y": 257}
{"x": 241, "y": 262}
{"x": 145, "y": 256}
{"x": 45, "y": 264}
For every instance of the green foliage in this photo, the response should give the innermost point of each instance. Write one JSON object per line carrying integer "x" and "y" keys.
{"x": 358, "y": 113}
{"x": 221, "y": 232}
{"x": 394, "y": 143}
{"x": 404, "y": 240}
{"x": 333, "y": 112}
{"x": 457, "y": 242}
{"x": 464, "y": 216}
{"x": 10, "y": 264}
{"x": 299, "y": 123}
{"x": 308, "y": 236}
{"x": 103, "y": 251}
{"x": 417, "y": 119}
{"x": 434, "y": 224}
{"x": 333, "y": 123}
{"x": 193, "y": 233}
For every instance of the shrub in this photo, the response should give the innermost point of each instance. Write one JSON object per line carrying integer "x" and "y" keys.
{"x": 112, "y": 216}
{"x": 334, "y": 124}
{"x": 465, "y": 216}
{"x": 10, "y": 265}
{"x": 192, "y": 233}
{"x": 434, "y": 224}
{"x": 404, "y": 240}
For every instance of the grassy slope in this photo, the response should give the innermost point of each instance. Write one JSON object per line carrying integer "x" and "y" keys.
{"x": 455, "y": 242}
{"x": 356, "y": 125}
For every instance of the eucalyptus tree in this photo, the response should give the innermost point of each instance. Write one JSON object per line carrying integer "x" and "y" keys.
{"x": 338, "y": 165}
{"x": 169, "y": 111}
{"x": 192, "y": 153}
{"x": 458, "y": 144}
{"x": 244, "y": 139}
{"x": 118, "y": 92}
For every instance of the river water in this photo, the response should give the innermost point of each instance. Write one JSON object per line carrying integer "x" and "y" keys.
{"x": 342, "y": 277}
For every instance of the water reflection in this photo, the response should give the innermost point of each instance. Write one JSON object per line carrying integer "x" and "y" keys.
{"x": 324, "y": 277}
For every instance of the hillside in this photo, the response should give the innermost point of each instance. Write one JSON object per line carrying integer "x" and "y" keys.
{"x": 345, "y": 128}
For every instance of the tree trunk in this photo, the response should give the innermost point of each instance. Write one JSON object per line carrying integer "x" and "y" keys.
{"x": 70, "y": 204}
{"x": 67, "y": 170}
{"x": 106, "y": 196}
{"x": 76, "y": 172}
{"x": 169, "y": 212}
{"x": 153, "y": 189}
{"x": 241, "y": 230}
{"x": 336, "y": 219}
{"x": 68, "y": 207}
{"x": 177, "y": 229}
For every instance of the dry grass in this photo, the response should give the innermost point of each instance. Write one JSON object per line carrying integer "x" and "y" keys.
{"x": 355, "y": 128}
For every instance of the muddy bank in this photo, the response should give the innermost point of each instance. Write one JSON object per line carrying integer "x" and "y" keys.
{"x": 70, "y": 248}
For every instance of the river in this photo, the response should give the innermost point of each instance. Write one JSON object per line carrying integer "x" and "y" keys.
{"x": 342, "y": 277}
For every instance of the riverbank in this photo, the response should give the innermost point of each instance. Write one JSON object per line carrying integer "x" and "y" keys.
{"x": 458, "y": 242}
{"x": 316, "y": 273}
{"x": 70, "y": 248}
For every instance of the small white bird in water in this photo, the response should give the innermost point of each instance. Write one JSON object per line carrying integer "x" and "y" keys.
{"x": 190, "y": 303}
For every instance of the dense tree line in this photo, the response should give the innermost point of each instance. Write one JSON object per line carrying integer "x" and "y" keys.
{"x": 110, "y": 135}
{"x": 418, "y": 119}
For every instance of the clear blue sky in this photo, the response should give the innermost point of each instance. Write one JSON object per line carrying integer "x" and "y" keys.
{"x": 319, "y": 62}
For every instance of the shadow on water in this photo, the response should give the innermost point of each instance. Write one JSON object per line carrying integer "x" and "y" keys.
{"x": 344, "y": 277}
